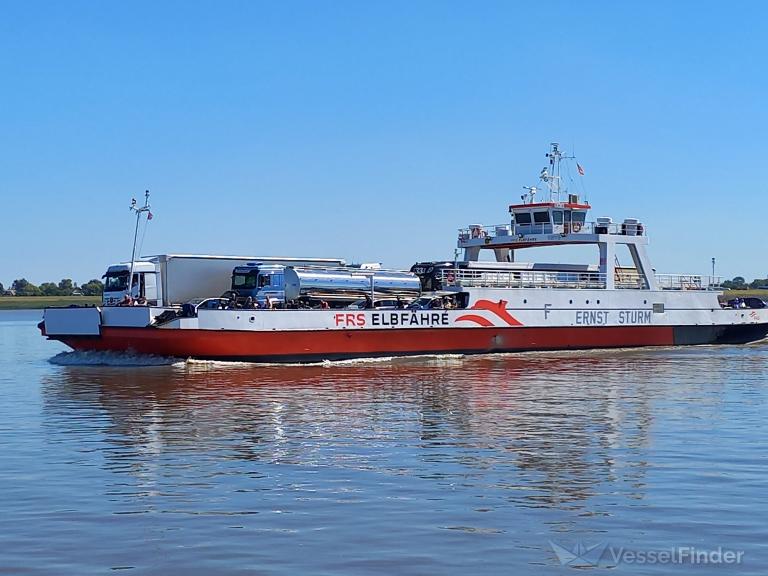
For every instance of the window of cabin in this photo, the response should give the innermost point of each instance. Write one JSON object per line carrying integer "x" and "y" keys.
{"x": 523, "y": 217}
{"x": 541, "y": 217}
{"x": 579, "y": 217}
{"x": 557, "y": 216}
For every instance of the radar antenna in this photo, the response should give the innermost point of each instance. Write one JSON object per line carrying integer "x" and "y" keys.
{"x": 531, "y": 193}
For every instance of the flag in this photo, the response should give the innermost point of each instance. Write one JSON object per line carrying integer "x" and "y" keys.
{"x": 149, "y": 215}
{"x": 580, "y": 169}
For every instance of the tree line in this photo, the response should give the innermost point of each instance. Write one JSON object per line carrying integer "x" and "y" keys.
{"x": 66, "y": 287}
{"x": 739, "y": 283}
{"x": 95, "y": 287}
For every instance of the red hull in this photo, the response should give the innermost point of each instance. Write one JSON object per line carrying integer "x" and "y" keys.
{"x": 336, "y": 344}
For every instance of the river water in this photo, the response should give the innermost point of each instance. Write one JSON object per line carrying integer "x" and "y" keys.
{"x": 499, "y": 464}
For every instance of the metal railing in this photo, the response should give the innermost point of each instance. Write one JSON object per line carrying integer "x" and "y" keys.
{"x": 502, "y": 230}
{"x": 521, "y": 279}
{"x": 623, "y": 280}
{"x": 688, "y": 282}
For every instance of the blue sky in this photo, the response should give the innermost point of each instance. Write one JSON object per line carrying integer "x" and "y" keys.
{"x": 373, "y": 130}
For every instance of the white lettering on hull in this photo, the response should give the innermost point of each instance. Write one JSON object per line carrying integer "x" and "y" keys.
{"x": 592, "y": 317}
{"x": 604, "y": 317}
{"x": 635, "y": 317}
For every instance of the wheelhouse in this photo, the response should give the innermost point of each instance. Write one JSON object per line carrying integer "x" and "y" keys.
{"x": 549, "y": 217}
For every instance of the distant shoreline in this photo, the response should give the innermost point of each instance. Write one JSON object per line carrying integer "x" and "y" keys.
{"x": 731, "y": 294}
{"x": 32, "y": 302}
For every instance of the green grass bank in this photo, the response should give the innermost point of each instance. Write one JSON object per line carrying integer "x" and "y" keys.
{"x": 731, "y": 294}
{"x": 31, "y": 302}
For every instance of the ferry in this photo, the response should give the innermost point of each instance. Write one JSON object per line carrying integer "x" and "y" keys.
{"x": 467, "y": 306}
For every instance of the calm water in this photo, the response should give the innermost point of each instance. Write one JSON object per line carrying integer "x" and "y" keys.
{"x": 424, "y": 466}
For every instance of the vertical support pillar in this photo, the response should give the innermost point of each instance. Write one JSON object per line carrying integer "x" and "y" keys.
{"x": 643, "y": 264}
{"x": 472, "y": 253}
{"x": 607, "y": 263}
{"x": 502, "y": 254}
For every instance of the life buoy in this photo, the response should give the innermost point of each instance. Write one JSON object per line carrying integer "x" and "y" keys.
{"x": 450, "y": 277}
{"x": 576, "y": 226}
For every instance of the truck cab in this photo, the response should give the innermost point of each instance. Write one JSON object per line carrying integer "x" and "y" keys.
{"x": 259, "y": 281}
{"x": 144, "y": 285}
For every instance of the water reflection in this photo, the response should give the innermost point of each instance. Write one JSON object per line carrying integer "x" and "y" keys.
{"x": 450, "y": 466}
{"x": 545, "y": 430}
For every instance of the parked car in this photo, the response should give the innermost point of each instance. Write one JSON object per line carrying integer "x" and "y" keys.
{"x": 748, "y": 302}
{"x": 383, "y": 304}
{"x": 190, "y": 308}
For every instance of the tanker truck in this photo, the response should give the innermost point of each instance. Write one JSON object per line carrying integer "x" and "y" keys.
{"x": 339, "y": 286}
{"x": 172, "y": 279}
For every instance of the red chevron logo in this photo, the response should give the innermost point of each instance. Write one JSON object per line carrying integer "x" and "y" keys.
{"x": 498, "y": 308}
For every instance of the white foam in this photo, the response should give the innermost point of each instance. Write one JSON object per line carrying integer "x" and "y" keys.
{"x": 98, "y": 358}
{"x": 421, "y": 358}
{"x": 193, "y": 363}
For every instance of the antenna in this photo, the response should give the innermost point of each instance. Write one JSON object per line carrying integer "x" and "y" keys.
{"x": 551, "y": 176}
{"x": 531, "y": 192}
{"x": 139, "y": 211}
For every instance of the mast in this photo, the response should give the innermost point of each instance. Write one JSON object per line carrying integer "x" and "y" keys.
{"x": 551, "y": 175}
{"x": 138, "y": 211}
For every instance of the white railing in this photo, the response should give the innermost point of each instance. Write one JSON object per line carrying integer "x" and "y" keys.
{"x": 484, "y": 233}
{"x": 521, "y": 279}
{"x": 623, "y": 280}
{"x": 628, "y": 280}
{"x": 688, "y": 282}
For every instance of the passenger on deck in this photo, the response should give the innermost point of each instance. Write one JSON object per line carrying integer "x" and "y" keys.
{"x": 126, "y": 301}
{"x": 368, "y": 302}
{"x": 324, "y": 305}
{"x": 249, "y": 303}
{"x": 437, "y": 303}
{"x": 400, "y": 303}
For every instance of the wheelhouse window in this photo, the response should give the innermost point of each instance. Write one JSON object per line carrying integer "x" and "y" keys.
{"x": 557, "y": 216}
{"x": 541, "y": 217}
{"x": 579, "y": 217}
{"x": 523, "y": 217}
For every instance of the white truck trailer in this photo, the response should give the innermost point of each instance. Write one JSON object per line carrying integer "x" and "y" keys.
{"x": 172, "y": 279}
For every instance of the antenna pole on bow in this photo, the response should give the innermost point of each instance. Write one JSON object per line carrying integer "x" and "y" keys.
{"x": 139, "y": 212}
